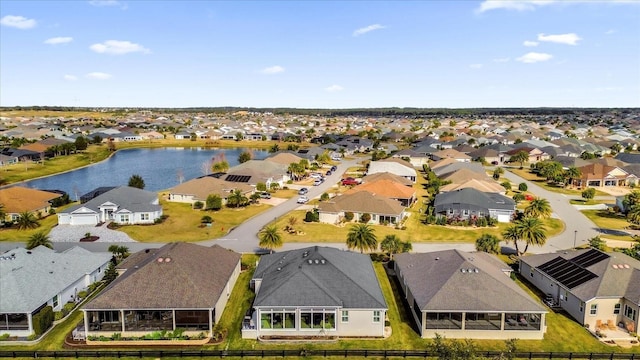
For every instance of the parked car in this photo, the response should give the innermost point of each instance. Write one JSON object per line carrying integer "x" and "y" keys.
{"x": 334, "y": 168}
{"x": 349, "y": 181}
{"x": 303, "y": 199}
{"x": 328, "y": 172}
{"x": 265, "y": 195}
{"x": 336, "y": 158}
{"x": 303, "y": 191}
{"x": 318, "y": 182}
{"x": 316, "y": 175}
{"x": 494, "y": 163}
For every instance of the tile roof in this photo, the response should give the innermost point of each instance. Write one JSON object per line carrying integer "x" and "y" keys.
{"x": 18, "y": 199}
{"x": 193, "y": 278}
{"x": 33, "y": 277}
{"x": 438, "y": 282}
{"x": 323, "y": 277}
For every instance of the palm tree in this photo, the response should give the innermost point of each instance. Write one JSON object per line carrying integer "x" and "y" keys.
{"x": 3, "y": 214}
{"x": 488, "y": 243}
{"x": 391, "y": 245}
{"x": 532, "y": 231}
{"x": 634, "y": 215}
{"x": 270, "y": 238}
{"x": 538, "y": 208}
{"x": 362, "y": 237}
{"x": 136, "y": 181}
{"x": 26, "y": 220}
{"x": 511, "y": 234}
{"x": 38, "y": 239}
{"x": 572, "y": 173}
{"x": 236, "y": 199}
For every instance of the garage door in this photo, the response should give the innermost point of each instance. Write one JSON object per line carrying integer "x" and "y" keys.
{"x": 504, "y": 218}
{"x": 90, "y": 219}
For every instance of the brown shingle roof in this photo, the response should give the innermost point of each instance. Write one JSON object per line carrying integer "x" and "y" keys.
{"x": 202, "y": 187}
{"x": 193, "y": 278}
{"x": 386, "y": 188}
{"x": 18, "y": 199}
{"x": 362, "y": 202}
{"x": 387, "y": 176}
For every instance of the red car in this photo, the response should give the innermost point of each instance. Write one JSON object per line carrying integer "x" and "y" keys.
{"x": 350, "y": 181}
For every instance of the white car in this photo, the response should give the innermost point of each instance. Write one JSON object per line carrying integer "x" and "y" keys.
{"x": 316, "y": 175}
{"x": 303, "y": 200}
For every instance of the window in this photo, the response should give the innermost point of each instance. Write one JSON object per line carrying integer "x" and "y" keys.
{"x": 318, "y": 319}
{"x": 124, "y": 218}
{"x": 581, "y": 306}
{"x": 465, "y": 212}
{"x": 144, "y": 217}
{"x": 55, "y": 301}
{"x": 616, "y": 309}
{"x": 345, "y": 316}
{"x": 594, "y": 309}
{"x": 629, "y": 312}
{"x": 450, "y": 211}
{"x": 376, "y": 316}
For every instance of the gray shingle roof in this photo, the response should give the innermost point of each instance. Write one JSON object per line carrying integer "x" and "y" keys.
{"x": 31, "y": 278}
{"x": 126, "y": 197}
{"x": 193, "y": 278}
{"x": 470, "y": 196}
{"x": 344, "y": 279}
{"x": 437, "y": 282}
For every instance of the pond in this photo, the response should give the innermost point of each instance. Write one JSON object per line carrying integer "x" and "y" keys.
{"x": 160, "y": 169}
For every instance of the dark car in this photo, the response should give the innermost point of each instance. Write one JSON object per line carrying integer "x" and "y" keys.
{"x": 328, "y": 172}
{"x": 494, "y": 163}
{"x": 334, "y": 168}
{"x": 303, "y": 191}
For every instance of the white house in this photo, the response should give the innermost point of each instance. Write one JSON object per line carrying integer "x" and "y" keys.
{"x": 394, "y": 166}
{"x": 122, "y": 205}
{"x": 30, "y": 280}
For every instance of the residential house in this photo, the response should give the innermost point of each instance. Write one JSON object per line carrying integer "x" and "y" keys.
{"x": 200, "y": 188}
{"x": 315, "y": 291}
{"x": 451, "y": 154}
{"x": 388, "y": 188}
{"x": 179, "y": 285}
{"x": 284, "y": 158}
{"x": 467, "y": 295}
{"x": 535, "y": 154}
{"x": 123, "y": 205}
{"x": 491, "y": 156}
{"x": 151, "y": 135}
{"x": 8, "y": 160}
{"x": 415, "y": 158}
{"x": 394, "y": 166}
{"x": 629, "y": 158}
{"x": 596, "y": 175}
{"x": 253, "y": 172}
{"x": 441, "y": 171}
{"x": 599, "y": 290}
{"x": 30, "y": 280}
{"x": 18, "y": 199}
{"x": 183, "y": 135}
{"x": 487, "y": 186}
{"x": 387, "y": 176}
{"x": 382, "y": 209}
{"x": 469, "y": 203}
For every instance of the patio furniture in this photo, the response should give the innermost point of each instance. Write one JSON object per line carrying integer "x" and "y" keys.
{"x": 611, "y": 325}
{"x": 512, "y": 322}
{"x": 523, "y": 321}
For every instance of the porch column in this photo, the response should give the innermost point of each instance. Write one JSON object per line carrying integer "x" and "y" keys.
{"x": 86, "y": 324}
{"x": 29, "y": 319}
{"x": 502, "y": 322}
{"x": 173, "y": 318}
{"x": 122, "y": 317}
{"x": 464, "y": 318}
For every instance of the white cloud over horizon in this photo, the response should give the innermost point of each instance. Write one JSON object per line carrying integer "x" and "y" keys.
{"x": 70, "y": 77}
{"x": 531, "y": 5}
{"x": 18, "y": 22}
{"x": 529, "y": 43}
{"x": 366, "y": 29}
{"x": 276, "y": 69}
{"x": 534, "y": 57}
{"x": 59, "y": 40}
{"x": 118, "y": 47}
{"x": 568, "y": 39}
{"x": 98, "y": 76}
{"x": 333, "y": 88}
{"x": 501, "y": 60}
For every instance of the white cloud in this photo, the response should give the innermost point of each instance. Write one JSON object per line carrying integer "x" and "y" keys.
{"x": 518, "y": 5}
{"x": 476, "y": 66}
{"x": 534, "y": 57}
{"x": 501, "y": 60}
{"x": 333, "y": 88}
{"x": 276, "y": 69}
{"x": 530, "y": 43}
{"x": 58, "y": 40}
{"x": 568, "y": 39}
{"x": 70, "y": 77}
{"x": 117, "y": 47}
{"x": 98, "y": 76}
{"x": 18, "y": 22}
{"x": 367, "y": 29}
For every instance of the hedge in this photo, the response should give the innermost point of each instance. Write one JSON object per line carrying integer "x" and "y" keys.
{"x": 43, "y": 320}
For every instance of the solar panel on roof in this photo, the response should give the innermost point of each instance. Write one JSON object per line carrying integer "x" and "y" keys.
{"x": 566, "y": 272}
{"x": 238, "y": 178}
{"x": 589, "y": 258}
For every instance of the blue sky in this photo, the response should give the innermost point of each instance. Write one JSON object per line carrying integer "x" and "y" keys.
{"x": 323, "y": 54}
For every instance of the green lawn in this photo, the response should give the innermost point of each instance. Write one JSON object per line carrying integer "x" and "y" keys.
{"x": 542, "y": 182}
{"x": 183, "y": 223}
{"x": 608, "y": 220}
{"x": 589, "y": 202}
{"x": 46, "y": 225}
